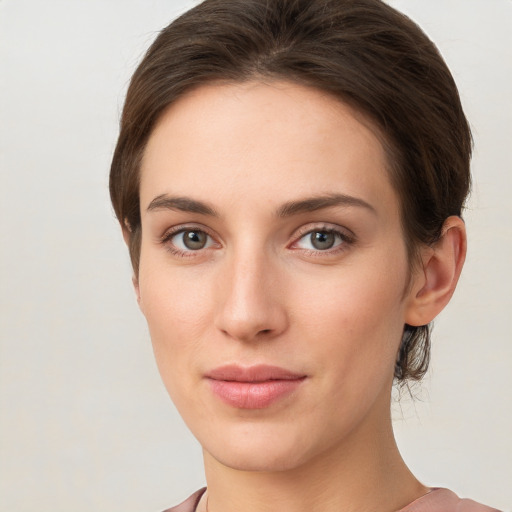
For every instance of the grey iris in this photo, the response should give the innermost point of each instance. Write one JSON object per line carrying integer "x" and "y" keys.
{"x": 322, "y": 240}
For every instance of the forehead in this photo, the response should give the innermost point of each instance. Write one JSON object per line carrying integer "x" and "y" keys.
{"x": 273, "y": 140}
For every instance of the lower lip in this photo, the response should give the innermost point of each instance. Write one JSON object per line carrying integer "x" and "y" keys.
{"x": 253, "y": 395}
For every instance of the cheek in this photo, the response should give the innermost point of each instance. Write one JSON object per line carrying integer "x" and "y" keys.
{"x": 171, "y": 299}
{"x": 355, "y": 318}
{"x": 174, "y": 308}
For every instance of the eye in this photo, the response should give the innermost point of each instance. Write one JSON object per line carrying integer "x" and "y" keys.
{"x": 321, "y": 240}
{"x": 187, "y": 240}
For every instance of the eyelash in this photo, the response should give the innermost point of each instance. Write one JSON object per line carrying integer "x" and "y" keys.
{"x": 170, "y": 234}
{"x": 347, "y": 239}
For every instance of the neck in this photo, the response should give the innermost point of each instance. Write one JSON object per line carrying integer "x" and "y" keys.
{"x": 363, "y": 473}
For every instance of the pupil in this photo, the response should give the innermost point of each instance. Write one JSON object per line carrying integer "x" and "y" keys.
{"x": 194, "y": 239}
{"x": 322, "y": 240}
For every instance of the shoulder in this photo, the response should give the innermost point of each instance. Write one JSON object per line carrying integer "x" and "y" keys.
{"x": 190, "y": 504}
{"x": 444, "y": 500}
{"x": 438, "y": 500}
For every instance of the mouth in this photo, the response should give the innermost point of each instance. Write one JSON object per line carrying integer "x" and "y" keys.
{"x": 254, "y": 387}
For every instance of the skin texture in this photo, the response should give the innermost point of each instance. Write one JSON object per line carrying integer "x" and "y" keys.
{"x": 260, "y": 292}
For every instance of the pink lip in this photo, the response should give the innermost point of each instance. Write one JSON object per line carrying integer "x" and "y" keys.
{"x": 254, "y": 387}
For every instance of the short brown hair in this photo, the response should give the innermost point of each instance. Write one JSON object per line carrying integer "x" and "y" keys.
{"x": 362, "y": 52}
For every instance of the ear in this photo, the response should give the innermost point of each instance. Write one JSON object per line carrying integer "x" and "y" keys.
{"x": 434, "y": 283}
{"x": 127, "y": 233}
{"x": 136, "y": 288}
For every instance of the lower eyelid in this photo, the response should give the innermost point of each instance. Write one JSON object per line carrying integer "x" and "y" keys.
{"x": 166, "y": 241}
{"x": 345, "y": 240}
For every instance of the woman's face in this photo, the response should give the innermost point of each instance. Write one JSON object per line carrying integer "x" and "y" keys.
{"x": 273, "y": 272}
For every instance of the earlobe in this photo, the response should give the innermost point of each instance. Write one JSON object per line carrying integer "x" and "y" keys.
{"x": 437, "y": 278}
{"x": 127, "y": 232}
{"x": 136, "y": 288}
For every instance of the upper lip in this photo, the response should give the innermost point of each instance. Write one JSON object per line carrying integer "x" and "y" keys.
{"x": 257, "y": 373}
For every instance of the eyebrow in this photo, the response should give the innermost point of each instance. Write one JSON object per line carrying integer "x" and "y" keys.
{"x": 184, "y": 204}
{"x": 313, "y": 204}
{"x": 310, "y": 204}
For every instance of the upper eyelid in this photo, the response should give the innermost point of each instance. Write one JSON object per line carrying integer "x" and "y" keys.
{"x": 174, "y": 230}
{"x": 323, "y": 226}
{"x": 296, "y": 235}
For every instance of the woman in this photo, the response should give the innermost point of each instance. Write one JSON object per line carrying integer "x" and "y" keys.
{"x": 289, "y": 178}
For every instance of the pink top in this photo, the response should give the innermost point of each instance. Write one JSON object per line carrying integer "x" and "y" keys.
{"x": 437, "y": 500}
{"x": 443, "y": 500}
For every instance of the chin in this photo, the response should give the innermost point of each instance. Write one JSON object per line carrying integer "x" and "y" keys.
{"x": 267, "y": 450}
{"x": 258, "y": 460}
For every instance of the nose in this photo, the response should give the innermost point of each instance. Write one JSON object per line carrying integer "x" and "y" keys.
{"x": 251, "y": 305}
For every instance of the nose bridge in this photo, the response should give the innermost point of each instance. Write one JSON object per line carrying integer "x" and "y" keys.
{"x": 251, "y": 306}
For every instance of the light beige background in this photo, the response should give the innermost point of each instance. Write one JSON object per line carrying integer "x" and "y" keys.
{"x": 85, "y": 424}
